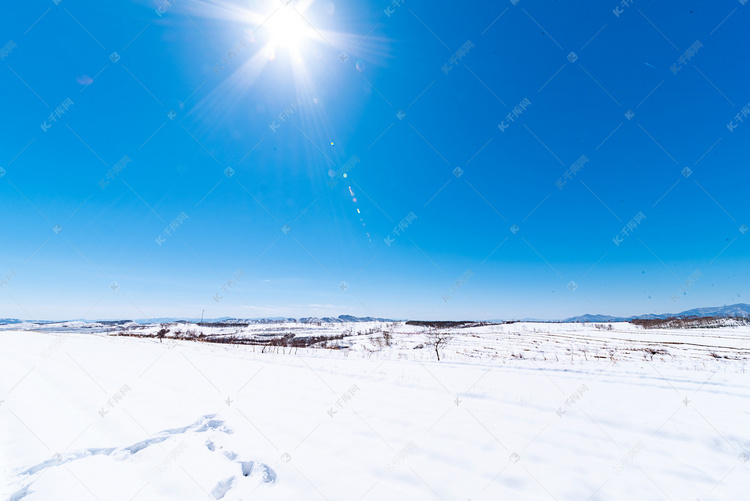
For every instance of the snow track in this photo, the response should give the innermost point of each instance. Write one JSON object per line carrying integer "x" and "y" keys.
{"x": 209, "y": 424}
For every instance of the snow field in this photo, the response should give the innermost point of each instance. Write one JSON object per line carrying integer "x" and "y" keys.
{"x": 334, "y": 424}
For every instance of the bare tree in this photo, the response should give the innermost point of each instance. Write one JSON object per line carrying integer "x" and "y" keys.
{"x": 438, "y": 340}
{"x": 162, "y": 332}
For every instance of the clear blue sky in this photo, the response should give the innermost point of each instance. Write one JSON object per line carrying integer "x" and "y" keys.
{"x": 238, "y": 120}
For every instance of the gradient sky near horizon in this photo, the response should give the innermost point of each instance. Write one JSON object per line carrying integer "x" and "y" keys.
{"x": 503, "y": 159}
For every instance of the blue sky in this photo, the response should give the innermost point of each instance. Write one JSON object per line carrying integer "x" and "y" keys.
{"x": 456, "y": 126}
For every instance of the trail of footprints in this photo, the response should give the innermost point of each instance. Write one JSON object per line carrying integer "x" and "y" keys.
{"x": 259, "y": 473}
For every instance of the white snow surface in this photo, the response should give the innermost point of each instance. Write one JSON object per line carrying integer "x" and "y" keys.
{"x": 514, "y": 411}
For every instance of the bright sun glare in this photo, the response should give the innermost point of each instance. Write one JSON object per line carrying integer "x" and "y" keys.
{"x": 287, "y": 28}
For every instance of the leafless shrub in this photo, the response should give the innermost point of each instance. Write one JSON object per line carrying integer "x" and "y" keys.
{"x": 689, "y": 322}
{"x": 438, "y": 340}
{"x": 162, "y": 332}
{"x": 655, "y": 351}
{"x": 377, "y": 342}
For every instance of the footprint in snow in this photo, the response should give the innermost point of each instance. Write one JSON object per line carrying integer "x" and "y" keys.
{"x": 259, "y": 473}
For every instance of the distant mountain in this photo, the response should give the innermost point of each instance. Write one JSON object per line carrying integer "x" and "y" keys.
{"x": 732, "y": 310}
{"x": 265, "y": 320}
{"x": 341, "y": 319}
{"x": 220, "y": 320}
{"x": 596, "y": 318}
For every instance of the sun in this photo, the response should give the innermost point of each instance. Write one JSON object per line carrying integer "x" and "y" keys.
{"x": 287, "y": 28}
{"x": 286, "y": 37}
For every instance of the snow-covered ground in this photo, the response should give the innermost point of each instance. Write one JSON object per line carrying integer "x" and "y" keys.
{"x": 512, "y": 411}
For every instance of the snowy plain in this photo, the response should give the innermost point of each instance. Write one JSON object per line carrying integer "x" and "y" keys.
{"x": 512, "y": 411}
